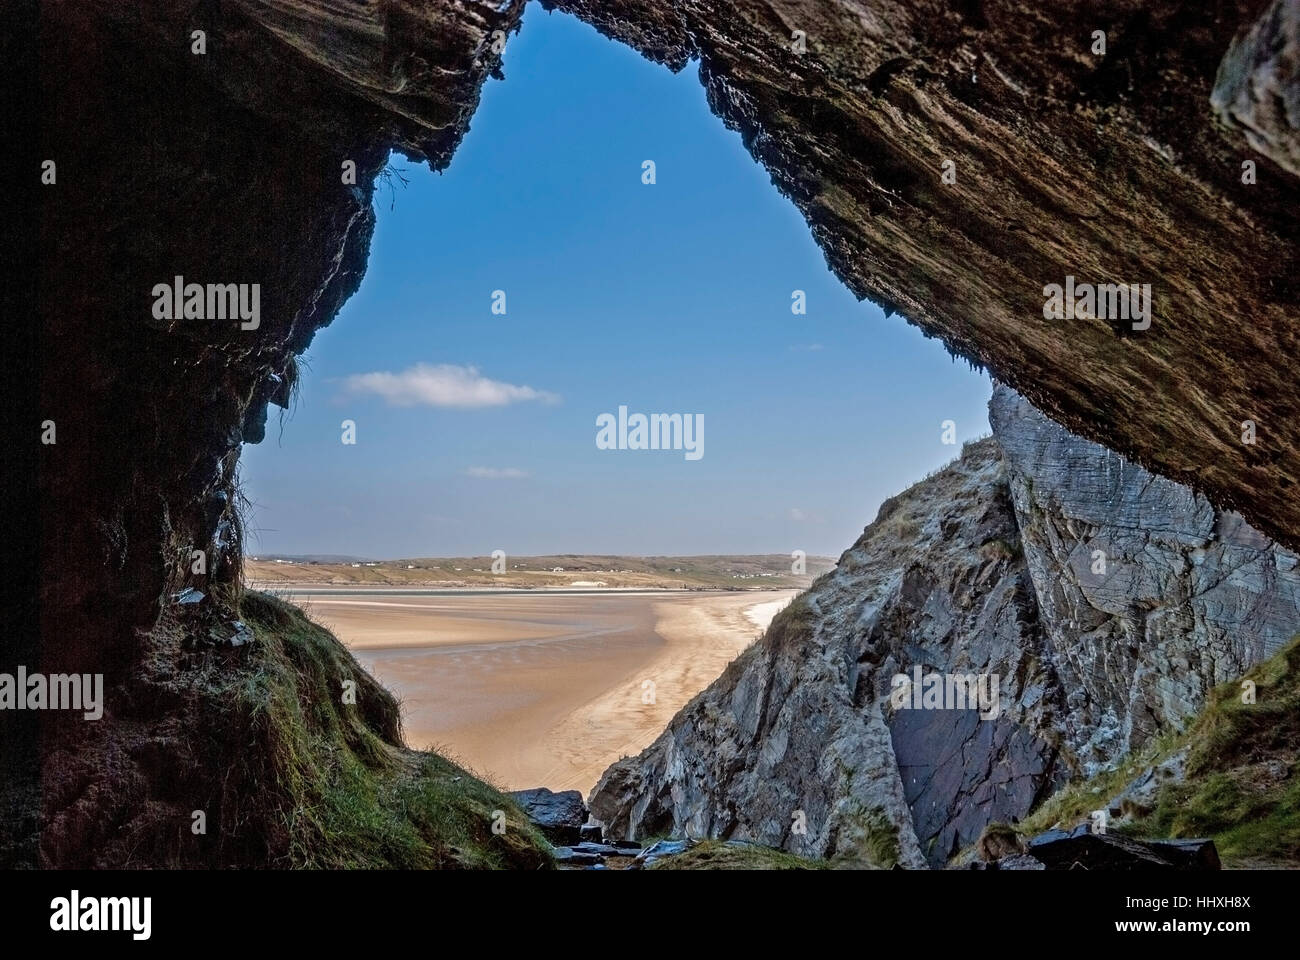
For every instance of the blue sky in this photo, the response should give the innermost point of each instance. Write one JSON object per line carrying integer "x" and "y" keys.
{"x": 477, "y": 431}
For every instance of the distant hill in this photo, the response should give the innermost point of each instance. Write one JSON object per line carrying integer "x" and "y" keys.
{"x": 748, "y": 571}
{"x": 313, "y": 557}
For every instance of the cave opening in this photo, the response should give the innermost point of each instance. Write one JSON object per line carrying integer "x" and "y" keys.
{"x": 497, "y": 410}
{"x": 614, "y": 273}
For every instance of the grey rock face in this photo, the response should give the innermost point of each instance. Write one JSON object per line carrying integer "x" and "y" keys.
{"x": 1257, "y": 89}
{"x": 984, "y": 570}
{"x": 798, "y": 746}
{"x": 960, "y": 773}
{"x": 1148, "y": 594}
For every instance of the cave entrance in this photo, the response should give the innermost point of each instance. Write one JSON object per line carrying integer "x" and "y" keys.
{"x": 599, "y": 355}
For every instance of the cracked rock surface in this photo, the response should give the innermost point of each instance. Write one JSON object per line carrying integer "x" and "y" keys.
{"x": 1149, "y": 595}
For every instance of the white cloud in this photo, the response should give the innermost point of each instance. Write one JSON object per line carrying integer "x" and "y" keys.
{"x": 796, "y": 513}
{"x": 496, "y": 473}
{"x": 442, "y": 385}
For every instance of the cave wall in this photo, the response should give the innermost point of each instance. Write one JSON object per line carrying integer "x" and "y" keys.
{"x": 220, "y": 167}
{"x": 225, "y": 167}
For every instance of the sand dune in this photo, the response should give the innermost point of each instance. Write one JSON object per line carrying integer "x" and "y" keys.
{"x": 534, "y": 689}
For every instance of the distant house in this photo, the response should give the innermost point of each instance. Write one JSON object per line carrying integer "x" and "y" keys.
{"x": 557, "y": 569}
{"x": 356, "y": 564}
{"x": 410, "y": 566}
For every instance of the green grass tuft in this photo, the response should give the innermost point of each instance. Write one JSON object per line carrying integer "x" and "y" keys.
{"x": 325, "y": 762}
{"x": 719, "y": 855}
{"x": 1242, "y": 783}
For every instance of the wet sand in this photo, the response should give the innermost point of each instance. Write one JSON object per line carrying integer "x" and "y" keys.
{"x": 542, "y": 689}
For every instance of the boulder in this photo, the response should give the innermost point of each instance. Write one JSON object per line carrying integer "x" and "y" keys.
{"x": 1138, "y": 798}
{"x": 560, "y": 816}
{"x": 1083, "y": 849}
{"x": 243, "y": 634}
{"x": 660, "y": 849}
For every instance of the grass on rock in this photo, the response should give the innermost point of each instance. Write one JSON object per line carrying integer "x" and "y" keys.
{"x": 719, "y": 855}
{"x": 325, "y": 752}
{"x": 1242, "y": 782}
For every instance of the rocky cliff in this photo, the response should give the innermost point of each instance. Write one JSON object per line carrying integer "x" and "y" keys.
{"x": 988, "y": 572}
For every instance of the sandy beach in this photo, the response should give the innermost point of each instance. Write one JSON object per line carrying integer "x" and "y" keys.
{"x": 537, "y": 688}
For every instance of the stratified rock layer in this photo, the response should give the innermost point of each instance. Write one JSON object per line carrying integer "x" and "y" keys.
{"x": 1149, "y": 595}
{"x": 989, "y": 568}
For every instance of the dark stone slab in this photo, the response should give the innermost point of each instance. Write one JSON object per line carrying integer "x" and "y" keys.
{"x": 569, "y": 857}
{"x": 599, "y": 849}
{"x": 961, "y": 773}
{"x": 559, "y": 816}
{"x": 1081, "y": 849}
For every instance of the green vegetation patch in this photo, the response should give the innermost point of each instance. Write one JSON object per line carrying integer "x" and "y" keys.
{"x": 324, "y": 775}
{"x": 1242, "y": 780}
{"x": 720, "y": 855}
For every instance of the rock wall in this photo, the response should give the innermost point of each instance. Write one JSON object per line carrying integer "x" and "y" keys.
{"x": 801, "y": 722}
{"x": 220, "y": 167}
{"x": 1149, "y": 594}
{"x": 984, "y": 569}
